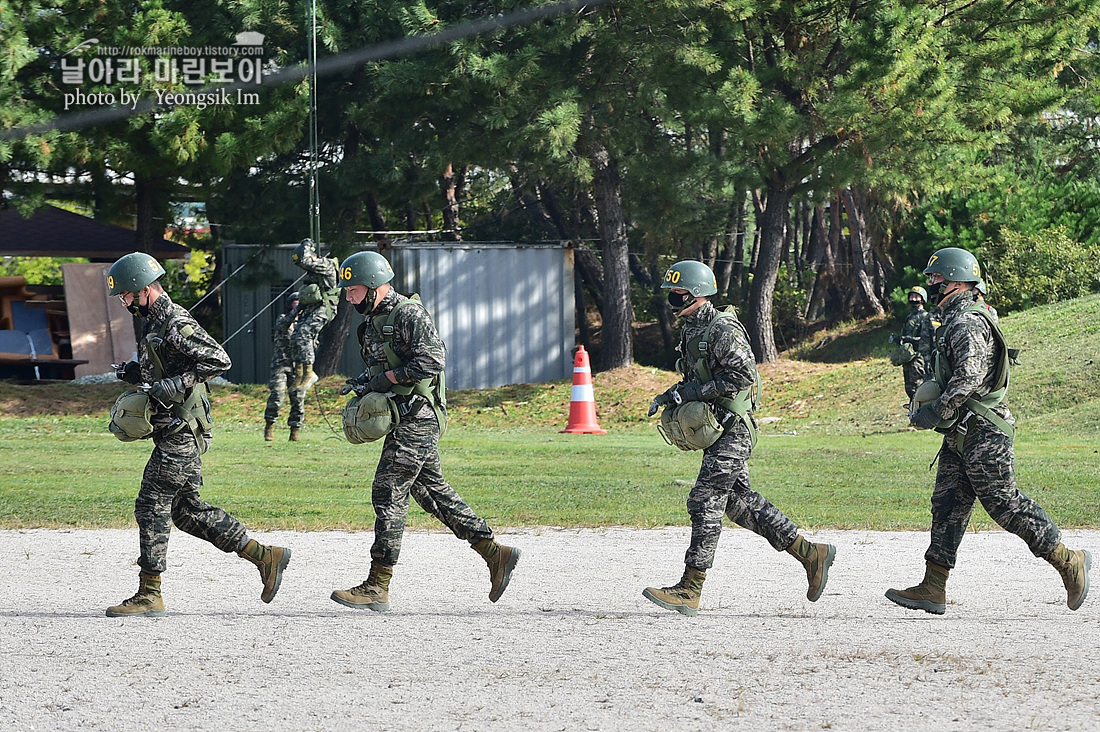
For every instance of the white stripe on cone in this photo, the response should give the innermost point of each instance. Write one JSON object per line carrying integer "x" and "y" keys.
{"x": 583, "y": 393}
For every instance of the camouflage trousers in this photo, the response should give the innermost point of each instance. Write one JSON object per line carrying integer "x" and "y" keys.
{"x": 307, "y": 333}
{"x": 722, "y": 489}
{"x": 915, "y": 374}
{"x": 280, "y": 376}
{"x": 410, "y": 465}
{"x": 170, "y": 494}
{"x": 984, "y": 471}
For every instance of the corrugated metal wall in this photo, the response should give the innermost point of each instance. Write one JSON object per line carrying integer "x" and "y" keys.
{"x": 505, "y": 311}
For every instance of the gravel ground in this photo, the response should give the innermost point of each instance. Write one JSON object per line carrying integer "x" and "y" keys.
{"x": 572, "y": 645}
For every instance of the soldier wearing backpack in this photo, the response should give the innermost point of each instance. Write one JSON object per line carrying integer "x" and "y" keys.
{"x": 976, "y": 460}
{"x": 711, "y": 410}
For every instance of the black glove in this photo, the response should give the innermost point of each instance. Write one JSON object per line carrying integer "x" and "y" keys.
{"x": 353, "y": 385}
{"x": 130, "y": 372}
{"x": 659, "y": 401}
{"x": 167, "y": 390}
{"x": 379, "y": 383}
{"x": 689, "y": 392}
{"x": 925, "y": 418}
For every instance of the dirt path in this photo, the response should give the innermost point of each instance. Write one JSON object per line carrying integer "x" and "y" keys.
{"x": 571, "y": 646}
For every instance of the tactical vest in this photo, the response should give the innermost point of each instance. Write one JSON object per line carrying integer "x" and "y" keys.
{"x": 744, "y": 403}
{"x": 982, "y": 407}
{"x": 193, "y": 412}
{"x": 432, "y": 390}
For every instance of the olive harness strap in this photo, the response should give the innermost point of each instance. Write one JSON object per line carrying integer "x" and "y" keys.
{"x": 432, "y": 390}
{"x": 982, "y": 407}
{"x": 744, "y": 403}
{"x": 192, "y": 412}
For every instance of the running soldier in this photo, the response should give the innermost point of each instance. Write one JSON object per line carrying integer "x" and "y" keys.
{"x": 282, "y": 370}
{"x": 177, "y": 358}
{"x": 976, "y": 460}
{"x": 719, "y": 370}
{"x": 319, "y": 297}
{"x": 405, "y": 356}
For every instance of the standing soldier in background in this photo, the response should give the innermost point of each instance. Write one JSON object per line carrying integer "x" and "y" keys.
{"x": 282, "y": 370}
{"x": 719, "y": 371}
{"x": 976, "y": 460}
{"x": 177, "y": 358}
{"x": 319, "y": 297}
{"x": 405, "y": 357}
{"x": 914, "y": 349}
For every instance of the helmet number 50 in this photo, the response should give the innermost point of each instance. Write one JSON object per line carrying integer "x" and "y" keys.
{"x": 673, "y": 276}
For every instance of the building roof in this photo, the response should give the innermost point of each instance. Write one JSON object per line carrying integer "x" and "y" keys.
{"x": 54, "y": 232}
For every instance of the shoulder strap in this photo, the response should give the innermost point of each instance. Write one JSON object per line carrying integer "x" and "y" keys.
{"x": 434, "y": 390}
{"x": 744, "y": 403}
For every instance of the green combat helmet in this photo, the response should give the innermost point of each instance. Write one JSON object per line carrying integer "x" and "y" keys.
{"x": 956, "y": 265}
{"x": 365, "y": 268}
{"x": 369, "y": 417}
{"x": 920, "y": 291}
{"x": 132, "y": 273}
{"x": 300, "y": 251}
{"x": 695, "y": 277}
{"x": 927, "y": 393}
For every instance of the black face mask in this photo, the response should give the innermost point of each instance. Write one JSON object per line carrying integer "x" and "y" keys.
{"x": 142, "y": 311}
{"x": 914, "y": 305}
{"x": 935, "y": 293}
{"x": 680, "y": 300}
{"x": 362, "y": 307}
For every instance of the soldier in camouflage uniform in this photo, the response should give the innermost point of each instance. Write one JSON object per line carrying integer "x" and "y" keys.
{"x": 317, "y": 307}
{"x": 722, "y": 487}
{"x": 282, "y": 371}
{"x": 976, "y": 460}
{"x": 409, "y": 464}
{"x": 177, "y": 357}
{"x": 917, "y": 332}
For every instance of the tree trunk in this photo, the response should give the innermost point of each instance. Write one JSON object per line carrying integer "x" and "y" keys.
{"x": 616, "y": 345}
{"x": 866, "y": 301}
{"x": 772, "y": 239}
{"x": 450, "y": 205}
{"x": 152, "y": 206}
{"x": 330, "y": 348}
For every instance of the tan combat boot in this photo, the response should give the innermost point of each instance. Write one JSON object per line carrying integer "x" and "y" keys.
{"x": 309, "y": 378}
{"x": 295, "y": 434}
{"x": 683, "y": 597}
{"x": 501, "y": 560}
{"x": 296, "y": 377}
{"x": 271, "y": 561}
{"x": 930, "y": 595}
{"x": 269, "y": 432}
{"x": 373, "y": 594}
{"x": 147, "y": 602}
{"x": 1073, "y": 565}
{"x": 816, "y": 558}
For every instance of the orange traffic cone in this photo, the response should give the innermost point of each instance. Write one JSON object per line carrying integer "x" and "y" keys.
{"x": 582, "y": 403}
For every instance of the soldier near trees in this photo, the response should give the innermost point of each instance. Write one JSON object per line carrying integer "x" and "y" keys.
{"x": 282, "y": 373}
{"x": 177, "y": 358}
{"x": 319, "y": 297}
{"x": 405, "y": 358}
{"x": 717, "y": 396}
{"x": 914, "y": 345}
{"x": 976, "y": 461}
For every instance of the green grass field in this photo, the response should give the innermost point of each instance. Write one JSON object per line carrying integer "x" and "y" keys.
{"x": 838, "y": 456}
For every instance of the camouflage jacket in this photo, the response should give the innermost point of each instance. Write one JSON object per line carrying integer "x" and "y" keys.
{"x": 187, "y": 350}
{"x": 415, "y": 341}
{"x": 966, "y": 344}
{"x": 729, "y": 356}
{"x": 919, "y": 325}
{"x": 320, "y": 271}
{"x": 280, "y": 342}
